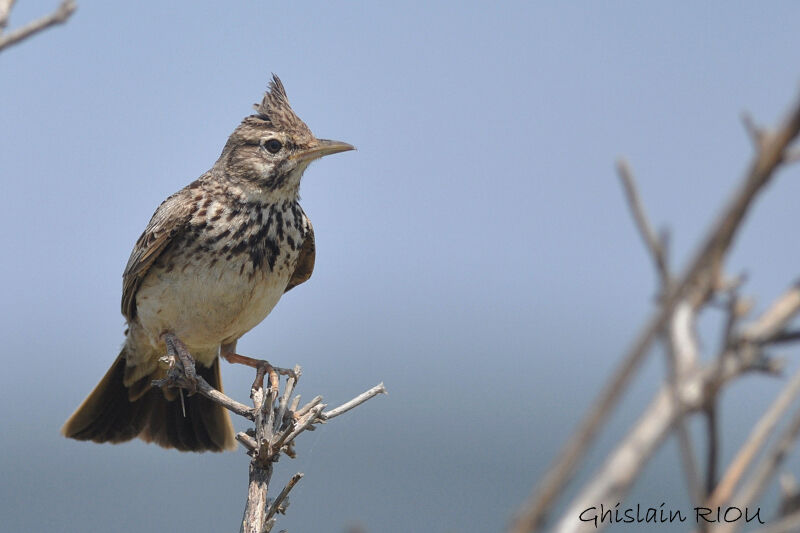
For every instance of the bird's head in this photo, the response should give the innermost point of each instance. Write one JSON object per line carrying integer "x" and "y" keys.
{"x": 272, "y": 148}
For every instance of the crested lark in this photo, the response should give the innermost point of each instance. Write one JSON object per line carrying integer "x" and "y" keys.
{"x": 212, "y": 263}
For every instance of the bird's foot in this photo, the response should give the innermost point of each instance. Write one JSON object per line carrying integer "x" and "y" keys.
{"x": 181, "y": 371}
{"x": 263, "y": 368}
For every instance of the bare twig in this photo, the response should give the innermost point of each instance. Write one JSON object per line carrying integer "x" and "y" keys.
{"x": 651, "y": 241}
{"x": 756, "y": 134}
{"x": 770, "y": 324}
{"x": 282, "y": 439}
{"x": 355, "y": 402}
{"x": 295, "y": 403}
{"x": 247, "y": 441}
{"x": 304, "y": 423}
{"x": 277, "y": 506}
{"x": 287, "y": 393}
{"x": 59, "y": 16}
{"x": 307, "y": 407}
{"x": 228, "y": 403}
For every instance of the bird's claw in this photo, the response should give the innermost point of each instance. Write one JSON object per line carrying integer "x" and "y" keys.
{"x": 180, "y": 374}
{"x": 181, "y": 371}
{"x": 264, "y": 369}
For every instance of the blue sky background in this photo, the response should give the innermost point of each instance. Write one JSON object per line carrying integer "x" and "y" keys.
{"x": 475, "y": 253}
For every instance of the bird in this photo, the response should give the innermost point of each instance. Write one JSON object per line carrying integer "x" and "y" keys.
{"x": 211, "y": 264}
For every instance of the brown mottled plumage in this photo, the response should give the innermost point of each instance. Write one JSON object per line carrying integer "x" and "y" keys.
{"x": 211, "y": 264}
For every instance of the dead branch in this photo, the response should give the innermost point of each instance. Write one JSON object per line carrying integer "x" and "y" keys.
{"x": 772, "y": 323}
{"x": 281, "y": 502}
{"x": 683, "y": 358}
{"x": 615, "y": 478}
{"x": 277, "y": 424}
{"x": 651, "y": 241}
{"x": 177, "y": 376}
{"x": 59, "y": 16}
{"x": 696, "y": 387}
{"x": 681, "y": 344}
{"x": 355, "y": 402}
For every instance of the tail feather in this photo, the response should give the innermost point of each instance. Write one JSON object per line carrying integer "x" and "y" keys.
{"x": 112, "y": 414}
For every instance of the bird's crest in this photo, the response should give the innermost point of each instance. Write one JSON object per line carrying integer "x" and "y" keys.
{"x": 275, "y": 109}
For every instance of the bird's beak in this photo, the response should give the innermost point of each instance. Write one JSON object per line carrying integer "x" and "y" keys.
{"x": 322, "y": 148}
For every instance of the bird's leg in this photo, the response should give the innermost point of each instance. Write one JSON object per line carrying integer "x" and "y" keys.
{"x": 263, "y": 368}
{"x": 177, "y": 349}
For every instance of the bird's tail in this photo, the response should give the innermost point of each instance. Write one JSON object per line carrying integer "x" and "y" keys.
{"x": 117, "y": 413}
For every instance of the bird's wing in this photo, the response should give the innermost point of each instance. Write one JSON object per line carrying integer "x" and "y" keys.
{"x": 305, "y": 261}
{"x": 169, "y": 221}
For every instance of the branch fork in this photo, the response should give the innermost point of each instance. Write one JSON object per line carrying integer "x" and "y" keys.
{"x": 278, "y": 422}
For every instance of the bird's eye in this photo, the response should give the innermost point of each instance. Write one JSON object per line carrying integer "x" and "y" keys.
{"x": 273, "y": 146}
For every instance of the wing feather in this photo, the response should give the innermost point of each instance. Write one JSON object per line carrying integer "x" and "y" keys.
{"x": 305, "y": 262}
{"x": 169, "y": 221}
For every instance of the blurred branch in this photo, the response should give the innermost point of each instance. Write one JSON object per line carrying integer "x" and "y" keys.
{"x": 769, "y": 328}
{"x": 654, "y": 245}
{"x": 681, "y": 344}
{"x": 682, "y": 360}
{"x": 615, "y": 478}
{"x": 712, "y": 428}
{"x": 5, "y": 12}
{"x": 755, "y": 442}
{"x": 766, "y": 469}
{"x": 695, "y": 390}
{"x": 59, "y": 16}
{"x": 790, "y": 495}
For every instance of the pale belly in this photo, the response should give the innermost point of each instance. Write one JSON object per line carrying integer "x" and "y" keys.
{"x": 206, "y": 306}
